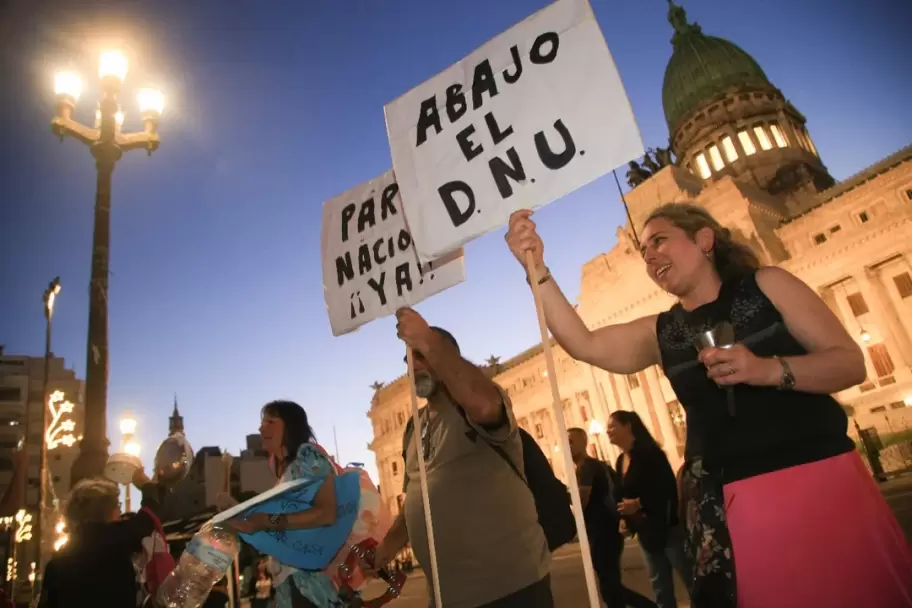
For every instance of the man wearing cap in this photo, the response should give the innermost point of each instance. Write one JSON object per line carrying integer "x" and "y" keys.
{"x": 491, "y": 550}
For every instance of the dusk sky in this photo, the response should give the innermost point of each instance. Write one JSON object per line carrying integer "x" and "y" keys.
{"x": 273, "y": 108}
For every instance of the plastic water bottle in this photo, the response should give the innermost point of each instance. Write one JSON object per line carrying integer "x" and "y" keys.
{"x": 204, "y": 562}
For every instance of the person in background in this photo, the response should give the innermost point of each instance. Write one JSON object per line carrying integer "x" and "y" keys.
{"x": 293, "y": 454}
{"x": 769, "y": 477}
{"x": 95, "y": 567}
{"x": 491, "y": 549}
{"x": 598, "y": 484}
{"x": 262, "y": 586}
{"x": 649, "y": 504}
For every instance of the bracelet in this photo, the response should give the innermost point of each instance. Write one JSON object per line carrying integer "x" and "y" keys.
{"x": 278, "y": 521}
{"x": 542, "y": 279}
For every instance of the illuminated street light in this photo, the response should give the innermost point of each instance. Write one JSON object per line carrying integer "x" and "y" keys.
{"x": 131, "y": 448}
{"x": 127, "y": 425}
{"x": 123, "y": 465}
{"x": 107, "y": 144}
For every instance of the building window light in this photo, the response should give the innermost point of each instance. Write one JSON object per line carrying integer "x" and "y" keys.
{"x": 729, "y": 146}
{"x": 763, "y": 138}
{"x": 716, "y": 157}
{"x": 811, "y": 146}
{"x": 778, "y": 137}
{"x": 746, "y": 143}
{"x": 702, "y": 166}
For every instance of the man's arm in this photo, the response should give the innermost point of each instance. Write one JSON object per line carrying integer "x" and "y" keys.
{"x": 469, "y": 386}
{"x": 585, "y": 477}
{"x": 396, "y": 540}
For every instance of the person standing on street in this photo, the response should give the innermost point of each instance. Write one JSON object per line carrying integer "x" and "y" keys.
{"x": 597, "y": 486}
{"x": 491, "y": 550}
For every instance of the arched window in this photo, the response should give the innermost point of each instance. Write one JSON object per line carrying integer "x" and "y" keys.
{"x": 702, "y": 166}
{"x": 729, "y": 146}
{"x": 716, "y": 157}
{"x": 763, "y": 138}
{"x": 746, "y": 142}
{"x": 778, "y": 137}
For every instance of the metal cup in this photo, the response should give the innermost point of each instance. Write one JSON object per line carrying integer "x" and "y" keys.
{"x": 720, "y": 336}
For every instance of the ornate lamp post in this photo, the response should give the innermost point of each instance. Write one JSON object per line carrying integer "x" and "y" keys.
{"x": 124, "y": 464}
{"x": 50, "y": 297}
{"x": 107, "y": 144}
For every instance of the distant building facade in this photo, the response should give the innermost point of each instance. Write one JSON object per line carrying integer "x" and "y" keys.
{"x": 21, "y": 404}
{"x": 744, "y": 153}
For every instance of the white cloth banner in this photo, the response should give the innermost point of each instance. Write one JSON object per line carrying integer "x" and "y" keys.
{"x": 370, "y": 266}
{"x": 541, "y": 104}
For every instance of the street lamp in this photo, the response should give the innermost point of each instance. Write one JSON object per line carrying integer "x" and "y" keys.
{"x": 49, "y": 298}
{"x": 123, "y": 465}
{"x": 596, "y": 428}
{"x": 107, "y": 144}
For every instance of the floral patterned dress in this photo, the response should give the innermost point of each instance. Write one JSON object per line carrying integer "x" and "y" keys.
{"x": 315, "y": 586}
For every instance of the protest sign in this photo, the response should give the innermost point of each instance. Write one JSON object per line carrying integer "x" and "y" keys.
{"x": 542, "y": 103}
{"x": 370, "y": 266}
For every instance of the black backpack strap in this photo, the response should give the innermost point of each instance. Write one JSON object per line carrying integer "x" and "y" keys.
{"x": 473, "y": 435}
{"x": 406, "y": 437}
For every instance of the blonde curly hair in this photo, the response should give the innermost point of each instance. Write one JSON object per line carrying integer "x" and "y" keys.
{"x": 92, "y": 501}
{"x": 730, "y": 258}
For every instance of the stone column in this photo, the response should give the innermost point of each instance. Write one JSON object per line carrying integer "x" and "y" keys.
{"x": 875, "y": 309}
{"x": 850, "y": 322}
{"x": 622, "y": 390}
{"x": 872, "y": 288}
{"x": 666, "y": 424}
{"x": 604, "y": 412}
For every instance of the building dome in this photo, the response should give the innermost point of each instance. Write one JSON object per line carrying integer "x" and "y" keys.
{"x": 702, "y": 68}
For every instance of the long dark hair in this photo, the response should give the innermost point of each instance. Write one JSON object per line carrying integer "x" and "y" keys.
{"x": 731, "y": 258}
{"x": 297, "y": 429}
{"x": 643, "y": 440}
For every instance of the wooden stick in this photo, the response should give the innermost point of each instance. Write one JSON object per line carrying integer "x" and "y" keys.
{"x": 569, "y": 467}
{"x": 422, "y": 476}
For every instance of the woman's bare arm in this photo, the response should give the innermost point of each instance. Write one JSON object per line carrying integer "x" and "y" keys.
{"x": 624, "y": 348}
{"x": 834, "y": 361}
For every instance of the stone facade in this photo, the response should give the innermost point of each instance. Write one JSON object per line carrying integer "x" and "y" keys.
{"x": 745, "y": 154}
{"x": 854, "y": 248}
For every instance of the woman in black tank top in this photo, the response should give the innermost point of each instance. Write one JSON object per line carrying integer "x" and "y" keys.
{"x": 780, "y": 509}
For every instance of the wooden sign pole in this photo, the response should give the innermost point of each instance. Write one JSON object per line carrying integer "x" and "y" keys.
{"x": 422, "y": 475}
{"x": 569, "y": 467}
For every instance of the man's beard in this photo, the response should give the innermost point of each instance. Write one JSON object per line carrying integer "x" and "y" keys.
{"x": 425, "y": 385}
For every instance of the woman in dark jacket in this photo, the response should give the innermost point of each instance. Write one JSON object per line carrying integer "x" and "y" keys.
{"x": 649, "y": 505}
{"x": 95, "y": 567}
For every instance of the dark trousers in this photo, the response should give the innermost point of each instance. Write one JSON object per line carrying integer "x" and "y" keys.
{"x": 536, "y": 595}
{"x": 606, "y": 549}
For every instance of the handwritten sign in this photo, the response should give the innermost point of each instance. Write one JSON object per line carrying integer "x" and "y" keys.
{"x": 306, "y": 548}
{"x": 370, "y": 266}
{"x": 542, "y": 104}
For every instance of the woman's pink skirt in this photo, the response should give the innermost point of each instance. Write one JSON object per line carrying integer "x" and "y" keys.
{"x": 819, "y": 535}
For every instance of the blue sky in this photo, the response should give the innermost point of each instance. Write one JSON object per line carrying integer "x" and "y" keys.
{"x": 275, "y": 107}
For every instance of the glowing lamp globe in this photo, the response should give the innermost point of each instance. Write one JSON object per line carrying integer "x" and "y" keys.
{"x": 173, "y": 459}
{"x": 112, "y": 64}
{"x": 151, "y": 102}
{"x": 68, "y": 84}
{"x": 121, "y": 467}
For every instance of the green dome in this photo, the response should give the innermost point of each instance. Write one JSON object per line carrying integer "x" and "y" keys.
{"x": 701, "y": 68}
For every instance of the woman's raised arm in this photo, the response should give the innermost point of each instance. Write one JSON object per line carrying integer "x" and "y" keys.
{"x": 624, "y": 348}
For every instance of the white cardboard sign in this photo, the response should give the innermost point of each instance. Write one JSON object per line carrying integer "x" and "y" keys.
{"x": 541, "y": 104}
{"x": 370, "y": 266}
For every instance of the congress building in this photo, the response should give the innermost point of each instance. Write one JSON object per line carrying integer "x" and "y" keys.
{"x": 742, "y": 151}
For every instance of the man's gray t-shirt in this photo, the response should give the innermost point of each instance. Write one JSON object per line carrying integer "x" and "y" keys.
{"x": 487, "y": 536}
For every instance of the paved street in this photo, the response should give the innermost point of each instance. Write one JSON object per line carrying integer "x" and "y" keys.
{"x": 567, "y": 575}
